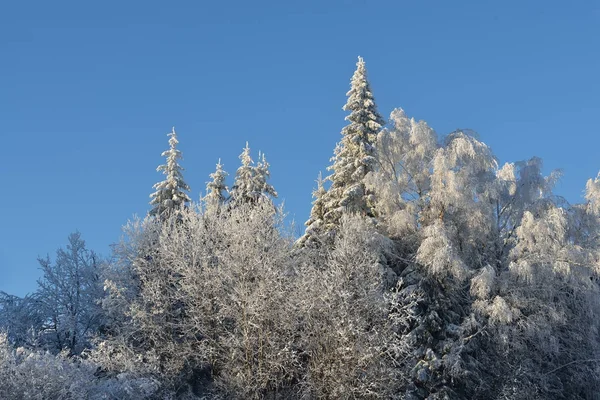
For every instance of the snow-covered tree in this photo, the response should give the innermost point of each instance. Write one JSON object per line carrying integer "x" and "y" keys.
{"x": 206, "y": 299}
{"x": 402, "y": 180}
{"x": 262, "y": 176}
{"x": 243, "y": 189}
{"x": 314, "y": 224}
{"x": 519, "y": 187}
{"x": 250, "y": 186}
{"x": 21, "y": 318}
{"x": 592, "y": 195}
{"x": 354, "y": 157}
{"x": 216, "y": 189}
{"x": 529, "y": 268}
{"x": 69, "y": 294}
{"x": 344, "y": 319}
{"x": 122, "y": 281}
{"x": 34, "y": 374}
{"x": 543, "y": 312}
{"x": 585, "y": 221}
{"x": 237, "y": 313}
{"x": 456, "y": 224}
{"x": 171, "y": 193}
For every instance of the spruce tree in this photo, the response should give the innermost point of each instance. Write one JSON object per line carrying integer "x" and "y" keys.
{"x": 354, "y": 157}
{"x": 314, "y": 224}
{"x": 242, "y": 189}
{"x": 262, "y": 174}
{"x": 216, "y": 189}
{"x": 250, "y": 186}
{"x": 170, "y": 193}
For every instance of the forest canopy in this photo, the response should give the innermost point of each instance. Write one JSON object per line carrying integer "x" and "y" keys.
{"x": 427, "y": 270}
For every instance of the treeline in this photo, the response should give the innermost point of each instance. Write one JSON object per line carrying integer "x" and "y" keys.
{"x": 426, "y": 271}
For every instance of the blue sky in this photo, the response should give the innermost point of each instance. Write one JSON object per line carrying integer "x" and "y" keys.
{"x": 89, "y": 90}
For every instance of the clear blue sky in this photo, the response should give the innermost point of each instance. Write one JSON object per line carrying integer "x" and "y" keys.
{"x": 89, "y": 90}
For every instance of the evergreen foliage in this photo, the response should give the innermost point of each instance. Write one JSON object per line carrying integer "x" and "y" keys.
{"x": 354, "y": 158}
{"x": 314, "y": 225}
{"x": 216, "y": 189}
{"x": 251, "y": 186}
{"x": 170, "y": 194}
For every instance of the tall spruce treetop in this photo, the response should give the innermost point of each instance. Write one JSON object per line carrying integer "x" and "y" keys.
{"x": 354, "y": 157}
{"x": 170, "y": 193}
{"x": 216, "y": 189}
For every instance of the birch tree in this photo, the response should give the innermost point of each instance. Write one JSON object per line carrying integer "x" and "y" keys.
{"x": 69, "y": 294}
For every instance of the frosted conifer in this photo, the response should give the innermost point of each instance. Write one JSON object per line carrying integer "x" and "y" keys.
{"x": 250, "y": 184}
{"x": 170, "y": 193}
{"x": 315, "y": 221}
{"x": 216, "y": 189}
{"x": 242, "y": 188}
{"x": 262, "y": 175}
{"x": 354, "y": 156}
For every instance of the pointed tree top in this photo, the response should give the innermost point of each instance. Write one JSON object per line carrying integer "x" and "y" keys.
{"x": 360, "y": 66}
{"x": 320, "y": 181}
{"x": 354, "y": 158}
{"x": 173, "y": 138}
{"x": 216, "y": 189}
{"x": 245, "y": 156}
{"x": 170, "y": 193}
